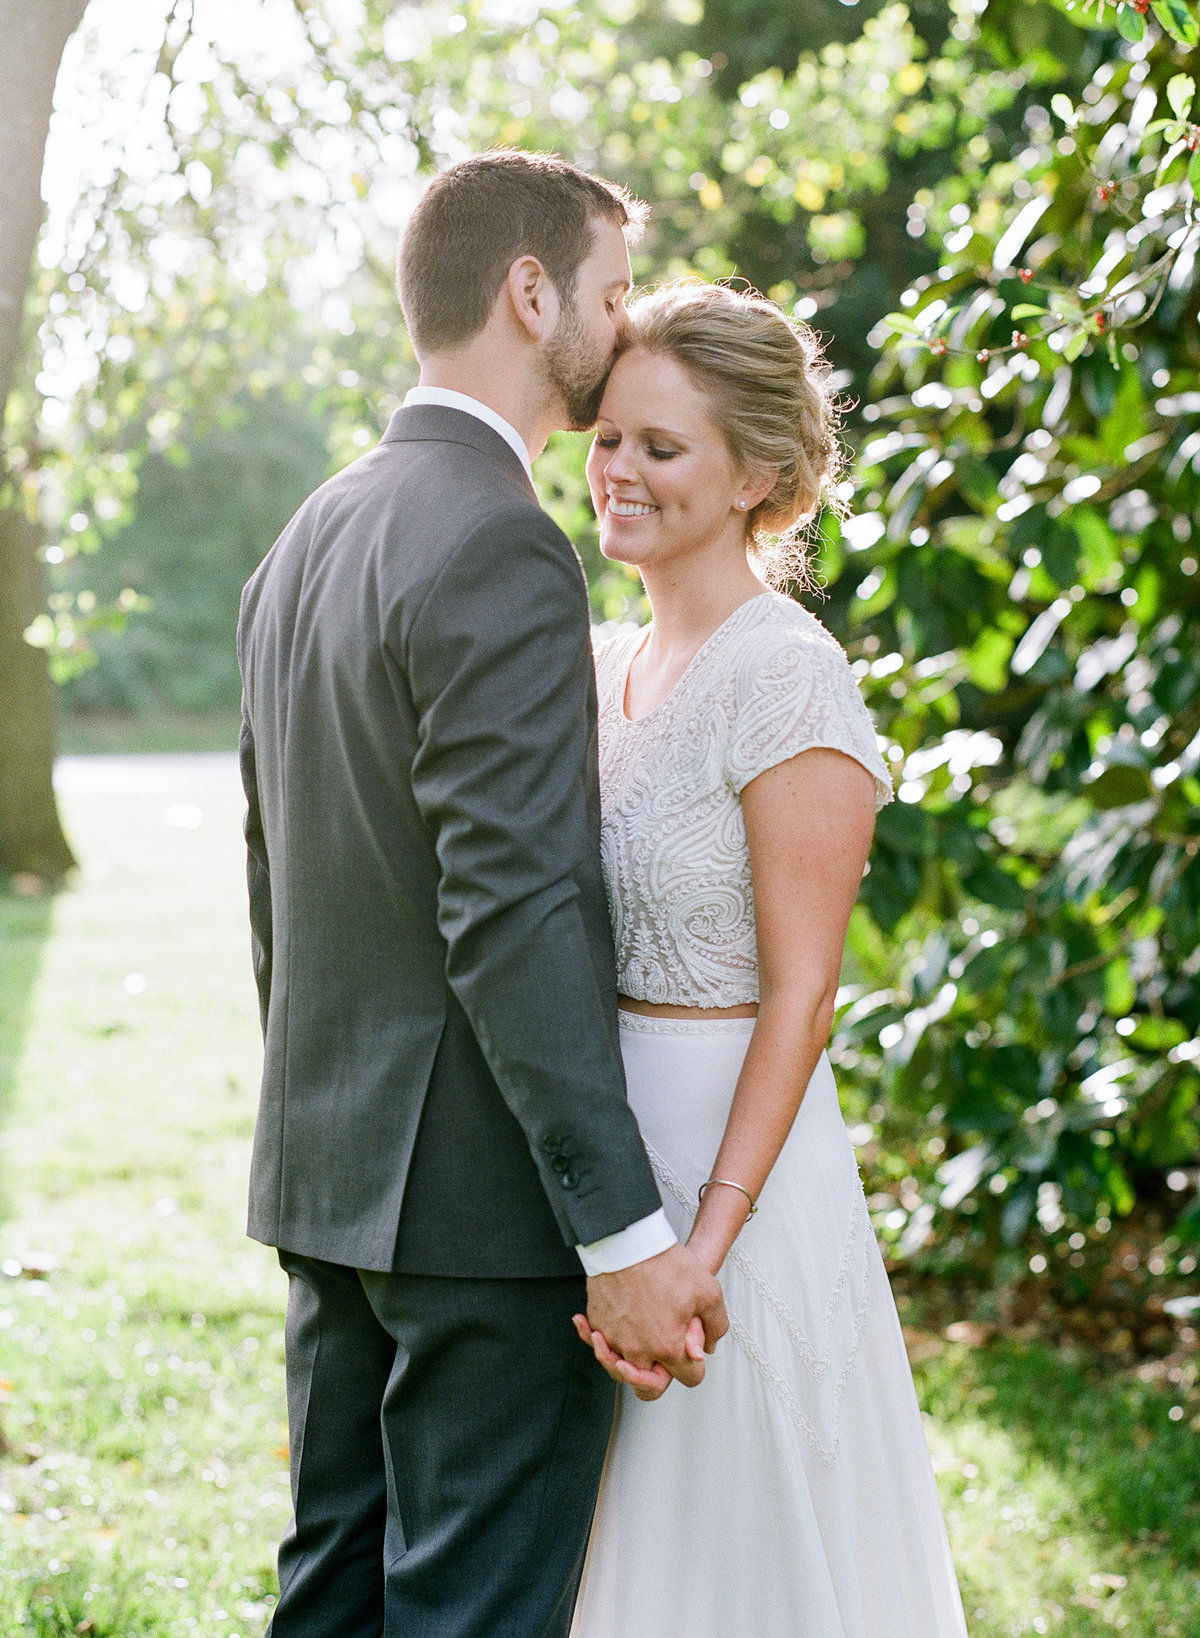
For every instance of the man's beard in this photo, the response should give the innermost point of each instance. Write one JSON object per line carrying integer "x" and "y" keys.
{"x": 577, "y": 375}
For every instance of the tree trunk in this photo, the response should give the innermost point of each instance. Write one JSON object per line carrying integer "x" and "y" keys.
{"x": 32, "y": 38}
{"x": 31, "y": 838}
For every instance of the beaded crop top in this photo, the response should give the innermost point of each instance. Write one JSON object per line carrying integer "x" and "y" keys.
{"x": 769, "y": 683}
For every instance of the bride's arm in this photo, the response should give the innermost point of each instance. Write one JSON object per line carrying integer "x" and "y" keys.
{"x": 809, "y": 822}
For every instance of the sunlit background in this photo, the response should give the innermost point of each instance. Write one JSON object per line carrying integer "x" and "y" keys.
{"x": 988, "y": 209}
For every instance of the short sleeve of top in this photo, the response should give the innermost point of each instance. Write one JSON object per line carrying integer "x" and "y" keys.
{"x": 794, "y": 691}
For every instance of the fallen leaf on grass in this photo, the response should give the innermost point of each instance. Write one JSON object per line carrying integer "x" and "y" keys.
{"x": 970, "y": 1333}
{"x": 921, "y": 1345}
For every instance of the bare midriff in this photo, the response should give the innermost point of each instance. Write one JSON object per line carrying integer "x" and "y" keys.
{"x": 663, "y": 1009}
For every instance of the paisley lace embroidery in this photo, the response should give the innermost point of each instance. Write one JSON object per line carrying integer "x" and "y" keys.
{"x": 769, "y": 683}
{"x": 857, "y": 1241}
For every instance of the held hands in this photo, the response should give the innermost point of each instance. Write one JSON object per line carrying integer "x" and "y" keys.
{"x": 647, "y": 1384}
{"x": 655, "y": 1321}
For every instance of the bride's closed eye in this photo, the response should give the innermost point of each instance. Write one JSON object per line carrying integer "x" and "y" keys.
{"x": 613, "y": 440}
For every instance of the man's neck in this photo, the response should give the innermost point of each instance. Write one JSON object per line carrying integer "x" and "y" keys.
{"x": 477, "y": 373}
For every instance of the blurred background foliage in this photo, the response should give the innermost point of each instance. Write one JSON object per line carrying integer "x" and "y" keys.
{"x": 987, "y": 208}
{"x": 204, "y": 508}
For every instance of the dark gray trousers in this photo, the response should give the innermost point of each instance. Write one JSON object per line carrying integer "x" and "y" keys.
{"x": 447, "y": 1439}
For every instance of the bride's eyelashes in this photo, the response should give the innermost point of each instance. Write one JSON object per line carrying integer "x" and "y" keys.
{"x": 655, "y": 454}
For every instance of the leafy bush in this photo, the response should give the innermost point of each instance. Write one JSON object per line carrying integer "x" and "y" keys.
{"x": 1022, "y": 590}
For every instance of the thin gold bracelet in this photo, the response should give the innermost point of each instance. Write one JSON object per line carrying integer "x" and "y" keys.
{"x": 730, "y": 1184}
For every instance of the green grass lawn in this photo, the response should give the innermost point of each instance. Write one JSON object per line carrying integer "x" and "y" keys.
{"x": 144, "y": 1483}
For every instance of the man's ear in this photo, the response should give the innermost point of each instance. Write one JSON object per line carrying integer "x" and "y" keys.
{"x": 532, "y": 297}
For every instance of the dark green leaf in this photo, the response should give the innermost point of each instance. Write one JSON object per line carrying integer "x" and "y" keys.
{"x": 1119, "y": 785}
{"x": 1015, "y": 291}
{"x": 977, "y": 482}
{"x": 905, "y": 828}
{"x": 993, "y": 885}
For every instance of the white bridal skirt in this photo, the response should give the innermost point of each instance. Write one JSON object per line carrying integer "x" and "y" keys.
{"x": 791, "y": 1494}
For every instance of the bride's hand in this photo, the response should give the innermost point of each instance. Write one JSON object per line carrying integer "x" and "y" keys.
{"x": 647, "y": 1384}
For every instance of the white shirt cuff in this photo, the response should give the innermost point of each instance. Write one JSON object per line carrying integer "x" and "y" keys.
{"x": 643, "y": 1239}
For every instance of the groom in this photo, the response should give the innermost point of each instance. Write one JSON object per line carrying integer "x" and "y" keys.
{"x": 443, "y": 1137}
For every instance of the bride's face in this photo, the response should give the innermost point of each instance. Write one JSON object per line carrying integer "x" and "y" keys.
{"x": 662, "y": 479}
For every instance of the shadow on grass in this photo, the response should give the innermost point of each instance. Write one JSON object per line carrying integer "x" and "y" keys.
{"x": 1131, "y": 1468}
{"x": 24, "y": 929}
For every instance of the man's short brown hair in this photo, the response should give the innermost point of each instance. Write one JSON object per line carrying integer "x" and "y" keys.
{"x": 475, "y": 219}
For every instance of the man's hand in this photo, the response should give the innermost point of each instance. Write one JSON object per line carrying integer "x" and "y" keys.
{"x": 640, "y": 1321}
{"x": 646, "y": 1384}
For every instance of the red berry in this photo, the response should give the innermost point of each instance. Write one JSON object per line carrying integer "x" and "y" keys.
{"x": 1141, "y": 6}
{"x": 983, "y": 355}
{"x": 1025, "y": 275}
{"x": 938, "y": 347}
{"x": 1192, "y": 141}
{"x": 1101, "y": 323}
{"x": 1105, "y": 192}
{"x": 1020, "y": 339}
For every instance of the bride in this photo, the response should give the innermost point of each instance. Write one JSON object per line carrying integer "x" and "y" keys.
{"x": 790, "y": 1495}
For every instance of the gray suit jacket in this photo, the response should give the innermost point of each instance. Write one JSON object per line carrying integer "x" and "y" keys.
{"x": 442, "y": 1088}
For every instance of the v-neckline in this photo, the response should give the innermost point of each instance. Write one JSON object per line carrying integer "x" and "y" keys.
{"x": 633, "y": 722}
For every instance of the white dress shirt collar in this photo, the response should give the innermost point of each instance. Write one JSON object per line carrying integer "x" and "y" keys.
{"x": 447, "y": 398}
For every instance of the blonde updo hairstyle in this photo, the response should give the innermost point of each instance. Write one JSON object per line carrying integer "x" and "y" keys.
{"x": 767, "y": 383}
